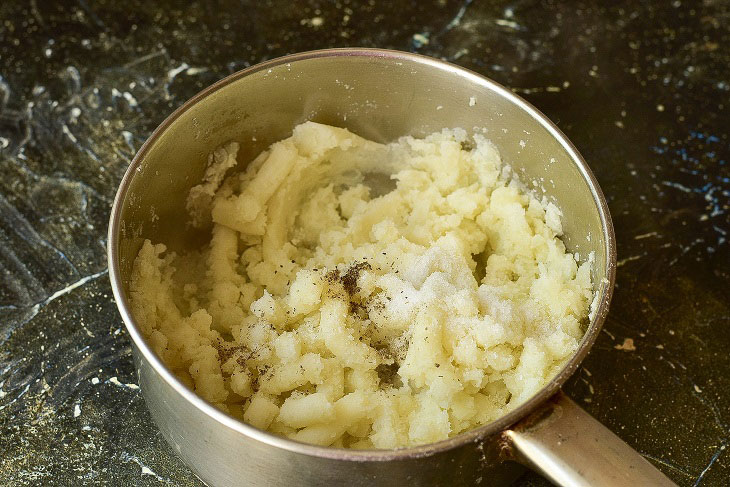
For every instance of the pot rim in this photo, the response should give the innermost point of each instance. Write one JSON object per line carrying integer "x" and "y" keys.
{"x": 473, "y": 435}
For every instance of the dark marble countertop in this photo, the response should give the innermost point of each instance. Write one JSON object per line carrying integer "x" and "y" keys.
{"x": 641, "y": 88}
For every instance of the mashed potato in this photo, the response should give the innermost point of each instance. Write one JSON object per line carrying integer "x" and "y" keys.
{"x": 362, "y": 295}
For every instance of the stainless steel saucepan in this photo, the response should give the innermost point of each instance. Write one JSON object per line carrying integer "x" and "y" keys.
{"x": 380, "y": 95}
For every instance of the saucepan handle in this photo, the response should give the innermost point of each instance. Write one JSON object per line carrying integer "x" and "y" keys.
{"x": 569, "y": 447}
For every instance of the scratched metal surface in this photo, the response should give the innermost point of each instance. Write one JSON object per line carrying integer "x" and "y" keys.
{"x": 642, "y": 90}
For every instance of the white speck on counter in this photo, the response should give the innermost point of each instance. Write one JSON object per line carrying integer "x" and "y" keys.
{"x": 77, "y": 411}
{"x": 194, "y": 71}
{"x": 623, "y": 262}
{"x": 116, "y": 382}
{"x": 94, "y": 380}
{"x": 175, "y": 71}
{"x": 645, "y": 235}
{"x": 697, "y": 389}
{"x": 131, "y": 100}
{"x": 420, "y": 40}
{"x": 126, "y": 457}
{"x": 440, "y": 107}
{"x": 316, "y": 21}
{"x": 522, "y": 144}
{"x": 71, "y": 136}
{"x": 626, "y": 346}
{"x": 472, "y": 101}
{"x": 507, "y": 23}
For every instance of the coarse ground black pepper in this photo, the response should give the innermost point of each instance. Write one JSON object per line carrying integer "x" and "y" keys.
{"x": 348, "y": 280}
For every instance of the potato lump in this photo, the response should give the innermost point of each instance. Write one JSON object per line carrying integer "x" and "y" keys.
{"x": 364, "y": 295}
